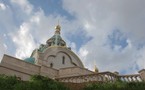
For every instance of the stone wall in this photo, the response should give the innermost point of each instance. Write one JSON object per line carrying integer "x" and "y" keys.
{"x": 49, "y": 72}
{"x": 73, "y": 71}
{"x": 142, "y": 74}
{"x": 13, "y": 66}
{"x": 24, "y": 70}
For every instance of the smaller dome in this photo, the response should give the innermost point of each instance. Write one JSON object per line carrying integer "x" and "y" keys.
{"x": 42, "y": 47}
{"x": 30, "y": 60}
{"x": 56, "y": 40}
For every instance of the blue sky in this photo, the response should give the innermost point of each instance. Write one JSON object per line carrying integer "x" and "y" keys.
{"x": 107, "y": 32}
{"x": 51, "y": 7}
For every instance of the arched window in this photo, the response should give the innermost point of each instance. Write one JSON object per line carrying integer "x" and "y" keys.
{"x": 49, "y": 44}
{"x": 63, "y": 60}
{"x": 51, "y": 65}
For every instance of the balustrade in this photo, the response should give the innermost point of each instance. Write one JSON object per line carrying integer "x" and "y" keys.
{"x": 101, "y": 77}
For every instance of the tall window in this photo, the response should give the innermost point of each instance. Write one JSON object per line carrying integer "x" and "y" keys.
{"x": 51, "y": 65}
{"x": 63, "y": 60}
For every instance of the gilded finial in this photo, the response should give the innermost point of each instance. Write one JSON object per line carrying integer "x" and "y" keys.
{"x": 58, "y": 28}
{"x": 95, "y": 68}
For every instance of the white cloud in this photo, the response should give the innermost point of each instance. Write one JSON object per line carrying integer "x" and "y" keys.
{"x": 24, "y": 41}
{"x": 2, "y": 6}
{"x": 24, "y": 5}
{"x": 3, "y": 48}
{"x": 141, "y": 58}
{"x": 83, "y": 52}
{"x": 72, "y": 45}
{"x": 125, "y": 15}
{"x": 9, "y": 25}
{"x": 6, "y": 19}
{"x": 99, "y": 19}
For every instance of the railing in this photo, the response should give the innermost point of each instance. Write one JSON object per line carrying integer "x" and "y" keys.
{"x": 101, "y": 77}
{"x": 130, "y": 78}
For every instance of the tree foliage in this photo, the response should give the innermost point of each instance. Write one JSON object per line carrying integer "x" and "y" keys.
{"x": 116, "y": 86}
{"x": 36, "y": 82}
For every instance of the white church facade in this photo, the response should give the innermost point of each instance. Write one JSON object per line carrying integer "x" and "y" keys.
{"x": 55, "y": 60}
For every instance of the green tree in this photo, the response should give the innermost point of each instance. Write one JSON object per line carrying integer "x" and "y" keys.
{"x": 36, "y": 82}
{"x": 7, "y": 82}
{"x": 118, "y": 85}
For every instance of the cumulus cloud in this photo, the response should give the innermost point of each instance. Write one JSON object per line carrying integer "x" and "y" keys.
{"x": 126, "y": 15}
{"x": 3, "y": 48}
{"x": 2, "y": 6}
{"x": 23, "y": 5}
{"x": 24, "y": 42}
{"x": 26, "y": 34}
{"x": 6, "y": 25}
{"x": 100, "y": 19}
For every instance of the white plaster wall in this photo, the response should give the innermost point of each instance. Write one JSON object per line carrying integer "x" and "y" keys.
{"x": 57, "y": 61}
{"x": 54, "y": 55}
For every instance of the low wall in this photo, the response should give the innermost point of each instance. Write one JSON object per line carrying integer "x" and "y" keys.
{"x": 13, "y": 66}
{"x": 49, "y": 72}
{"x": 73, "y": 71}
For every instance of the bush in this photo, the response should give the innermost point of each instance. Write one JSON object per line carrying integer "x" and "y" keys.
{"x": 7, "y": 82}
{"x": 36, "y": 82}
{"x": 116, "y": 86}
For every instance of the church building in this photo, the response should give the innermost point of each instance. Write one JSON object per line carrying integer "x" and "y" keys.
{"x": 57, "y": 61}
